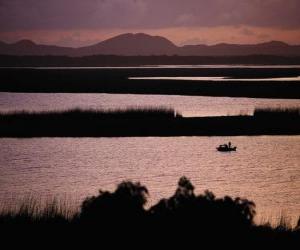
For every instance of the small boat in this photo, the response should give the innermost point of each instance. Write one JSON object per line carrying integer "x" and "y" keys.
{"x": 226, "y": 148}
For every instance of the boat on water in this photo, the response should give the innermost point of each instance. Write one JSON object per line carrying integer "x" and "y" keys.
{"x": 226, "y": 148}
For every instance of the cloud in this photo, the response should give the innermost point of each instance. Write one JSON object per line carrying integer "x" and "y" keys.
{"x": 78, "y": 22}
{"x": 92, "y": 14}
{"x": 193, "y": 41}
{"x": 247, "y": 32}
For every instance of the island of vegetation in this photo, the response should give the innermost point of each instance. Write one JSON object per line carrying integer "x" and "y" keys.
{"x": 141, "y": 122}
{"x": 119, "y": 81}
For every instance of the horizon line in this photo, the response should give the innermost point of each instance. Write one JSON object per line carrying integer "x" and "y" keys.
{"x": 141, "y": 33}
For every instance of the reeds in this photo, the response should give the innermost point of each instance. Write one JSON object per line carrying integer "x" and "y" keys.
{"x": 77, "y": 113}
{"x": 144, "y": 121}
{"x": 116, "y": 81}
{"x": 293, "y": 112}
{"x": 122, "y": 213}
{"x": 32, "y": 211}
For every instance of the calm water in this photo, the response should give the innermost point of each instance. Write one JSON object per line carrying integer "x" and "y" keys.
{"x": 185, "y": 66}
{"x": 187, "y": 105}
{"x": 221, "y": 79}
{"x": 265, "y": 169}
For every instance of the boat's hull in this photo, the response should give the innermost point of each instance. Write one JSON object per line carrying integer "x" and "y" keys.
{"x": 226, "y": 149}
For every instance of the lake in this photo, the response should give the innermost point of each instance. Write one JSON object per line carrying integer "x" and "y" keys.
{"x": 221, "y": 79}
{"x": 265, "y": 169}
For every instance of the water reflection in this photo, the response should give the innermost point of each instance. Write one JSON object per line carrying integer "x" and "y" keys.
{"x": 221, "y": 79}
{"x": 185, "y": 66}
{"x": 265, "y": 169}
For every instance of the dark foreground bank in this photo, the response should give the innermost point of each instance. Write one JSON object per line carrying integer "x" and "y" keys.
{"x": 193, "y": 218}
{"x": 137, "y": 61}
{"x": 145, "y": 122}
{"x": 107, "y": 80}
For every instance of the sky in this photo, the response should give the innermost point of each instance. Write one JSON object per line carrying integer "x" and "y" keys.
{"x": 78, "y": 23}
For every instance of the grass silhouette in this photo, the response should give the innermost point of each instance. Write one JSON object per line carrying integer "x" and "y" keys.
{"x": 180, "y": 214}
{"x": 127, "y": 113}
{"x": 286, "y": 113}
{"x": 145, "y": 121}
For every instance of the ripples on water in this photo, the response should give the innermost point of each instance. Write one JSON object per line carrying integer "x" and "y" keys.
{"x": 265, "y": 169}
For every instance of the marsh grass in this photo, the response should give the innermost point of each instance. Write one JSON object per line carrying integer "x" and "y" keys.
{"x": 53, "y": 211}
{"x": 130, "y": 112}
{"x": 116, "y": 81}
{"x": 122, "y": 214}
{"x": 279, "y": 221}
{"x": 292, "y": 112}
{"x": 144, "y": 121}
{"x": 32, "y": 210}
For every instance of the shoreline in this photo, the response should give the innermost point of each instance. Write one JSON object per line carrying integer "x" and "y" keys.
{"x": 109, "y": 211}
{"x": 145, "y": 123}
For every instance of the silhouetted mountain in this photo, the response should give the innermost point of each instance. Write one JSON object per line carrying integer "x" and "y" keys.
{"x": 223, "y": 49}
{"x": 145, "y": 45}
{"x": 130, "y": 44}
{"x": 29, "y": 48}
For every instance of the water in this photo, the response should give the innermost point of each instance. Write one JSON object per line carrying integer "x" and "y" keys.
{"x": 185, "y": 66}
{"x": 265, "y": 169}
{"x": 221, "y": 79}
{"x": 187, "y": 105}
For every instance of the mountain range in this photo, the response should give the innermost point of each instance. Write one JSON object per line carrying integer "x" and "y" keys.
{"x": 145, "y": 45}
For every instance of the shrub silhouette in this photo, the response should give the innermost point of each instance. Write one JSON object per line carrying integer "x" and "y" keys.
{"x": 125, "y": 204}
{"x": 184, "y": 216}
{"x": 205, "y": 212}
{"x": 182, "y": 210}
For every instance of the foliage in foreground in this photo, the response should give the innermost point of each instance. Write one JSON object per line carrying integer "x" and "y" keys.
{"x": 184, "y": 213}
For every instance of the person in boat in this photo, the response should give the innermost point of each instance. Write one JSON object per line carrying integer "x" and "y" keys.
{"x": 226, "y": 147}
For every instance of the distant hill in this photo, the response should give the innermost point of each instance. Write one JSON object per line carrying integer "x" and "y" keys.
{"x": 130, "y": 45}
{"x": 29, "y": 48}
{"x": 145, "y": 45}
{"x": 269, "y": 48}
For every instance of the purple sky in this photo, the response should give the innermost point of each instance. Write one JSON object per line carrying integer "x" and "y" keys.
{"x": 82, "y": 22}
